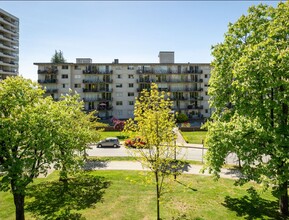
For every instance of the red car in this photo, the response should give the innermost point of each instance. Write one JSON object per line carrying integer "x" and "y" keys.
{"x": 135, "y": 143}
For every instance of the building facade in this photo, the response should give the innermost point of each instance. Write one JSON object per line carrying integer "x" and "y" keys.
{"x": 111, "y": 88}
{"x": 9, "y": 44}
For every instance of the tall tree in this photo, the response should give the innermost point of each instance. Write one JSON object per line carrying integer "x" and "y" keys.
{"x": 153, "y": 124}
{"x": 249, "y": 90}
{"x": 31, "y": 134}
{"x": 58, "y": 57}
{"x": 75, "y": 131}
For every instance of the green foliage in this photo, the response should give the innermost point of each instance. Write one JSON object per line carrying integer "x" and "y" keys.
{"x": 58, "y": 57}
{"x": 37, "y": 132}
{"x": 154, "y": 123}
{"x": 182, "y": 117}
{"x": 249, "y": 90}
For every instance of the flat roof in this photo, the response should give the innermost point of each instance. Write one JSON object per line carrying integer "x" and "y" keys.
{"x": 161, "y": 64}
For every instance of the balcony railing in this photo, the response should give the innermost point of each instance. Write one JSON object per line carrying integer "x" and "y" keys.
{"x": 51, "y": 90}
{"x": 47, "y": 81}
{"x": 97, "y": 99}
{"x": 186, "y": 89}
{"x": 48, "y": 71}
{"x": 97, "y": 90}
{"x": 97, "y": 72}
{"x": 199, "y": 98}
{"x": 178, "y": 98}
{"x": 104, "y": 108}
{"x": 195, "y": 107}
{"x": 97, "y": 81}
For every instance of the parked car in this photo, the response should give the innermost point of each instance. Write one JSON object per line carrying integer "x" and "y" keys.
{"x": 135, "y": 143}
{"x": 108, "y": 142}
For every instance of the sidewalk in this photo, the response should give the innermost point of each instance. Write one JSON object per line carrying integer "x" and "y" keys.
{"x": 131, "y": 165}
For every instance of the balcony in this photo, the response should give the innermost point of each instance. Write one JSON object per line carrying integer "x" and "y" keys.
{"x": 47, "y": 81}
{"x": 178, "y": 98}
{"x": 195, "y": 107}
{"x": 195, "y": 71}
{"x": 199, "y": 98}
{"x": 48, "y": 71}
{"x": 104, "y": 108}
{"x": 94, "y": 99}
{"x": 97, "y": 72}
{"x": 145, "y": 71}
{"x": 90, "y": 72}
{"x": 97, "y": 90}
{"x": 186, "y": 89}
{"x": 145, "y": 80}
{"x": 51, "y": 90}
{"x": 96, "y": 81}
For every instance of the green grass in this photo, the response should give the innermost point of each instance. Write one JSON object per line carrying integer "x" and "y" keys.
{"x": 191, "y": 197}
{"x": 119, "y": 134}
{"x": 194, "y": 137}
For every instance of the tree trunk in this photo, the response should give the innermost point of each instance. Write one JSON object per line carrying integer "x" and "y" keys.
{"x": 19, "y": 205}
{"x": 158, "y": 196}
{"x": 283, "y": 200}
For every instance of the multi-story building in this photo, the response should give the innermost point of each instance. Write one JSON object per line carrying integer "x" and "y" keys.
{"x": 111, "y": 88}
{"x": 9, "y": 44}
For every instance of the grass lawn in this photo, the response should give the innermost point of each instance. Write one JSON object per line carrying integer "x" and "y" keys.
{"x": 194, "y": 137}
{"x": 119, "y": 134}
{"x": 191, "y": 197}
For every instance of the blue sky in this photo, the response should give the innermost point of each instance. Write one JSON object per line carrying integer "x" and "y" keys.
{"x": 131, "y": 31}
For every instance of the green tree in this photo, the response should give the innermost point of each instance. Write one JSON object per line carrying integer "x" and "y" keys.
{"x": 75, "y": 131}
{"x": 34, "y": 132}
{"x": 58, "y": 57}
{"x": 154, "y": 123}
{"x": 182, "y": 117}
{"x": 249, "y": 90}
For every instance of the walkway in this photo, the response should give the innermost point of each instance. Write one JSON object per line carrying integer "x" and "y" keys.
{"x": 133, "y": 165}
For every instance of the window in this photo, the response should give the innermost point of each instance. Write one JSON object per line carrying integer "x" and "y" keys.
{"x": 77, "y": 67}
{"x": 130, "y": 102}
{"x": 77, "y": 76}
{"x": 206, "y": 75}
{"x": 118, "y": 85}
{"x": 119, "y": 94}
{"x": 206, "y": 111}
{"x": 130, "y": 67}
{"x": 130, "y": 76}
{"x": 118, "y": 102}
{"x": 130, "y": 85}
{"x": 119, "y": 76}
{"x": 77, "y": 86}
{"x": 206, "y": 93}
{"x": 65, "y": 67}
{"x": 64, "y": 76}
{"x": 63, "y": 85}
{"x": 130, "y": 112}
{"x": 119, "y": 112}
{"x": 130, "y": 94}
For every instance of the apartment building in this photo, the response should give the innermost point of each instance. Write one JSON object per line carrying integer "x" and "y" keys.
{"x": 9, "y": 44}
{"x": 111, "y": 88}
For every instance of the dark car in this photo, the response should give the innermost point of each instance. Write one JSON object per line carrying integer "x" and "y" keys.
{"x": 108, "y": 142}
